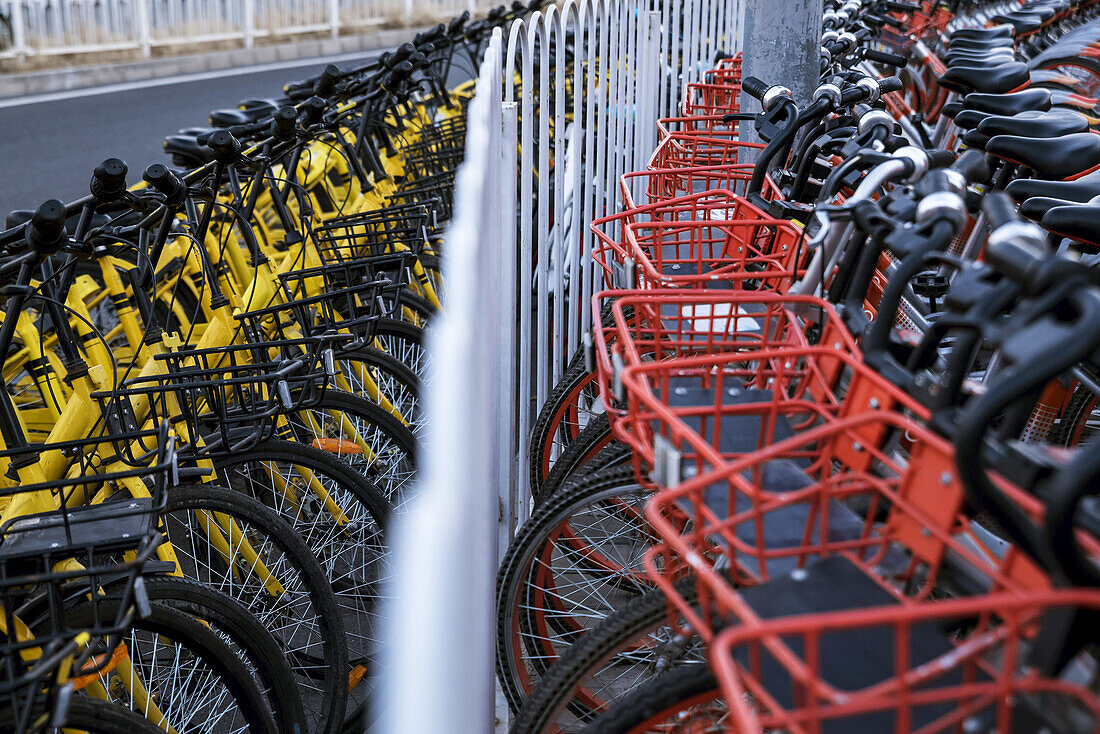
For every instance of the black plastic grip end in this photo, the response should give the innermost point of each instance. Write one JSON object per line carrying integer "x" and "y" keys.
{"x": 227, "y": 149}
{"x": 889, "y": 84}
{"x": 283, "y": 123}
{"x": 753, "y": 87}
{"x": 165, "y": 181}
{"x": 109, "y": 180}
{"x": 881, "y": 57}
{"x": 46, "y": 232}
{"x": 940, "y": 158}
{"x": 973, "y": 166}
{"x": 999, "y": 209}
{"x": 312, "y": 110}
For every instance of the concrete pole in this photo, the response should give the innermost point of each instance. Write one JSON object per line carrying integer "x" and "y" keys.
{"x": 782, "y": 46}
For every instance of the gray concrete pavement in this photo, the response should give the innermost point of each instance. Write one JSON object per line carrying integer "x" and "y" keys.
{"x": 50, "y": 144}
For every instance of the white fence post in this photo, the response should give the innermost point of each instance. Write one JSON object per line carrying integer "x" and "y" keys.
{"x": 145, "y": 30}
{"x": 18, "y": 30}
{"x": 249, "y": 23}
{"x": 334, "y": 17}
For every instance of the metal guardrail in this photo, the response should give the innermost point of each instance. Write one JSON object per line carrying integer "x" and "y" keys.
{"x": 54, "y": 27}
{"x": 567, "y": 102}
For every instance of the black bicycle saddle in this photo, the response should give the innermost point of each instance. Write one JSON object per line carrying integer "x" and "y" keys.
{"x": 1058, "y": 158}
{"x": 1079, "y": 222}
{"x": 1035, "y": 124}
{"x": 1009, "y": 104}
{"x": 985, "y": 78}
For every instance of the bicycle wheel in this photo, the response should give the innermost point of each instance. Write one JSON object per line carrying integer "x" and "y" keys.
{"x": 365, "y": 437}
{"x": 402, "y": 341}
{"x": 342, "y": 519}
{"x": 574, "y": 562}
{"x": 1078, "y": 423}
{"x": 301, "y": 612}
{"x": 257, "y": 648}
{"x": 178, "y": 673}
{"x": 685, "y": 699}
{"x": 393, "y": 380}
{"x": 594, "y": 438}
{"x": 92, "y": 716}
{"x": 624, "y": 651}
{"x": 571, "y": 406}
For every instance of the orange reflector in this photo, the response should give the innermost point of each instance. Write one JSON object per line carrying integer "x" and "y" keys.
{"x": 355, "y": 676}
{"x": 96, "y": 664}
{"x": 337, "y": 446}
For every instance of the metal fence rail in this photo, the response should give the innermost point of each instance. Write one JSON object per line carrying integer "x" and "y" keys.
{"x": 566, "y": 103}
{"x": 53, "y": 27}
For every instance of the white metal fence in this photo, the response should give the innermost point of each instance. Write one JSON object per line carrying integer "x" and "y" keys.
{"x": 566, "y": 103}
{"x": 51, "y": 27}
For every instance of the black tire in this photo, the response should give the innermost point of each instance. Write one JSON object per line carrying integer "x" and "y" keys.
{"x": 261, "y": 653}
{"x": 594, "y": 438}
{"x": 531, "y": 634}
{"x": 420, "y": 307}
{"x": 92, "y": 716}
{"x": 183, "y": 694}
{"x": 352, "y": 550}
{"x": 391, "y": 470}
{"x": 565, "y": 701}
{"x": 680, "y": 692}
{"x": 1071, "y": 428}
{"x": 551, "y": 430}
{"x": 320, "y": 661}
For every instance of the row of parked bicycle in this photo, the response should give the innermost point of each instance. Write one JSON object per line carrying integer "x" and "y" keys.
{"x": 828, "y": 461}
{"x": 211, "y": 406}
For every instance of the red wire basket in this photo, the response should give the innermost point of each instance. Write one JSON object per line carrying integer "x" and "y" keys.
{"x": 728, "y": 74}
{"x": 869, "y": 500}
{"x": 733, "y": 63}
{"x": 661, "y": 184}
{"x": 683, "y": 371}
{"x": 961, "y": 665}
{"x": 712, "y": 98}
{"x": 728, "y": 243}
{"x": 711, "y": 125}
{"x": 681, "y": 149}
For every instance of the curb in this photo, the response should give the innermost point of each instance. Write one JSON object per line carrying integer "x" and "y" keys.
{"x": 64, "y": 80}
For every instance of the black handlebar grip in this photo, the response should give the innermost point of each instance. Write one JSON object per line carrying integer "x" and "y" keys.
{"x": 399, "y": 72}
{"x": 496, "y": 13}
{"x": 312, "y": 110}
{"x": 437, "y": 32}
{"x": 456, "y": 25}
{"x": 518, "y": 7}
{"x": 999, "y": 209}
{"x": 753, "y": 87}
{"x": 109, "y": 180}
{"x": 326, "y": 82}
{"x": 836, "y": 47}
{"x": 166, "y": 182}
{"x": 46, "y": 232}
{"x": 227, "y": 149}
{"x": 282, "y": 124}
{"x": 973, "y": 165}
{"x": 881, "y": 57}
{"x": 901, "y": 7}
{"x": 940, "y": 158}
{"x": 889, "y": 84}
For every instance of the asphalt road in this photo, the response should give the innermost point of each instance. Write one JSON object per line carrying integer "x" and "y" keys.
{"x": 50, "y": 144}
